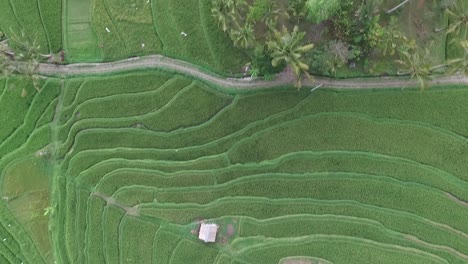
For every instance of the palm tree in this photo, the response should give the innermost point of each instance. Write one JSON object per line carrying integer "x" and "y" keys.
{"x": 222, "y": 13}
{"x": 286, "y": 47}
{"x": 416, "y": 65}
{"x": 272, "y": 12}
{"x": 460, "y": 65}
{"x": 244, "y": 36}
{"x": 458, "y": 19}
{"x": 6, "y": 55}
{"x": 227, "y": 12}
{"x": 23, "y": 60}
{"x": 27, "y": 49}
{"x": 5, "y": 68}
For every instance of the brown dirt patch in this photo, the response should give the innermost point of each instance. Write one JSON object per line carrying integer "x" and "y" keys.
{"x": 421, "y": 4}
{"x": 296, "y": 261}
{"x": 230, "y": 230}
{"x": 315, "y": 32}
{"x": 287, "y": 75}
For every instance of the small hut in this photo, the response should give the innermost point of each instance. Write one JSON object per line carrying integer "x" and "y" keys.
{"x": 208, "y": 232}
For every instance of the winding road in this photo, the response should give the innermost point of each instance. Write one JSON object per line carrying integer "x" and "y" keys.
{"x": 162, "y": 62}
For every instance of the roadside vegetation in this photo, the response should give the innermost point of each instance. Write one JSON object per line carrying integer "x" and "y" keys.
{"x": 346, "y": 38}
{"x": 20, "y": 56}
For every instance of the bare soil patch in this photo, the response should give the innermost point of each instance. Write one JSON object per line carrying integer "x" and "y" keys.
{"x": 296, "y": 261}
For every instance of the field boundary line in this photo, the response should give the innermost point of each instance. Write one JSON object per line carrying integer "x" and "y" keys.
{"x": 87, "y": 232}
{"x": 153, "y": 22}
{"x": 208, "y": 42}
{"x": 64, "y": 28}
{"x": 85, "y": 80}
{"x": 76, "y": 124}
{"x": 106, "y": 178}
{"x": 66, "y": 107}
{"x": 292, "y": 177}
{"x": 153, "y": 251}
{"x": 55, "y": 192}
{"x": 117, "y": 160}
{"x": 287, "y": 201}
{"x": 111, "y": 18}
{"x": 43, "y": 26}
{"x": 51, "y": 103}
{"x": 16, "y": 18}
{"x": 130, "y": 118}
{"x": 174, "y": 249}
{"x": 97, "y": 99}
{"x": 5, "y": 158}
{"x": 20, "y": 234}
{"x": 326, "y": 238}
{"x": 69, "y": 218}
{"x": 5, "y": 87}
{"x": 418, "y": 124}
{"x": 244, "y": 129}
{"x": 357, "y": 115}
{"x": 366, "y": 154}
{"x": 20, "y": 126}
{"x": 119, "y": 235}
{"x": 75, "y": 105}
{"x": 355, "y": 220}
{"x": 26, "y": 118}
{"x": 447, "y": 249}
{"x": 106, "y": 247}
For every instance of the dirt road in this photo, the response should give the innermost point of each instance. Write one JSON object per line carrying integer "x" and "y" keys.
{"x": 158, "y": 61}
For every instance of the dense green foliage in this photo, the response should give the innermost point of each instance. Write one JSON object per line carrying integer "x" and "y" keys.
{"x": 320, "y": 10}
{"x": 351, "y": 38}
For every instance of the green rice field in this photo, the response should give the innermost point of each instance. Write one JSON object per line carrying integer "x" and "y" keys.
{"x": 96, "y": 31}
{"x": 38, "y": 19}
{"x": 122, "y": 168}
{"x": 111, "y": 29}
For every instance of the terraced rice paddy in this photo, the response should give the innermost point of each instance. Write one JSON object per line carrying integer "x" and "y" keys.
{"x": 290, "y": 177}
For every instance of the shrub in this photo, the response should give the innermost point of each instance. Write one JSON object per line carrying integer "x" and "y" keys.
{"x": 320, "y": 10}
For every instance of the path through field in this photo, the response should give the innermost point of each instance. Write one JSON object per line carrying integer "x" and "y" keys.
{"x": 159, "y": 61}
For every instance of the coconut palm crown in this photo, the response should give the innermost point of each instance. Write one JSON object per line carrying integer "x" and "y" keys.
{"x": 286, "y": 47}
